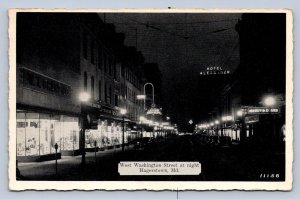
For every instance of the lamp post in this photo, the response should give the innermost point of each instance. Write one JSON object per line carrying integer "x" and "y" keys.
{"x": 123, "y": 112}
{"x": 83, "y": 97}
{"x": 240, "y": 123}
{"x": 217, "y": 127}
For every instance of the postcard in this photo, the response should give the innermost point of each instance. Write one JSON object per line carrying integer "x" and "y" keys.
{"x": 150, "y": 99}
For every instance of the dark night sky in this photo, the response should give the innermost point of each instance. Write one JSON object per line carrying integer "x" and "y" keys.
{"x": 182, "y": 45}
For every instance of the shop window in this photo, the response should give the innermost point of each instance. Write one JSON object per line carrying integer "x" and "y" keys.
{"x": 46, "y": 136}
{"x": 21, "y": 134}
{"x": 32, "y": 134}
{"x": 38, "y": 133}
{"x": 70, "y": 137}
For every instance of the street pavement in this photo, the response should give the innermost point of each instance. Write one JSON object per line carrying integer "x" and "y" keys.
{"x": 234, "y": 163}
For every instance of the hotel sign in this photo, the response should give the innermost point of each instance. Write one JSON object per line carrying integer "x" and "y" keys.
{"x": 215, "y": 70}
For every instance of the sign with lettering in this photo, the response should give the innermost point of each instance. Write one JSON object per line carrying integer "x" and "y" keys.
{"x": 261, "y": 110}
{"x": 215, "y": 70}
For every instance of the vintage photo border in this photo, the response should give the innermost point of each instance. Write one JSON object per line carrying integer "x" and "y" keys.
{"x": 15, "y": 185}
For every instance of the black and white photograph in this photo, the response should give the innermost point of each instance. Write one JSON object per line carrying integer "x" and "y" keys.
{"x": 156, "y": 100}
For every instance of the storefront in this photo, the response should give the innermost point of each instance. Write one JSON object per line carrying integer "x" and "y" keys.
{"x": 108, "y": 131}
{"x": 107, "y": 135}
{"x": 37, "y": 134}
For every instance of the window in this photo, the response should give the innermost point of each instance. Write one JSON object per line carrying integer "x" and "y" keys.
{"x": 105, "y": 62}
{"x": 122, "y": 70}
{"x": 85, "y": 81}
{"x": 116, "y": 100}
{"x": 84, "y": 44}
{"x": 99, "y": 90}
{"x": 110, "y": 67}
{"x": 93, "y": 87}
{"x": 110, "y": 95}
{"x": 115, "y": 70}
{"x": 92, "y": 52}
{"x": 105, "y": 93}
{"x": 99, "y": 57}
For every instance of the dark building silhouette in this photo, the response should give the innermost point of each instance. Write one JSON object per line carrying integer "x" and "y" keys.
{"x": 262, "y": 72}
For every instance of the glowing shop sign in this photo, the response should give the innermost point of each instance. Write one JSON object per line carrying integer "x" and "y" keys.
{"x": 262, "y": 110}
{"x": 154, "y": 111}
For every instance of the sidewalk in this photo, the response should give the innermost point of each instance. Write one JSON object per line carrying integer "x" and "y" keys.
{"x": 69, "y": 167}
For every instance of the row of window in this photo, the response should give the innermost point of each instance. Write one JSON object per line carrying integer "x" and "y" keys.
{"x": 95, "y": 53}
{"x": 130, "y": 76}
{"x": 109, "y": 96}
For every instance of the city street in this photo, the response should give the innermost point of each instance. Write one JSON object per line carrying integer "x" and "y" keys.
{"x": 218, "y": 163}
{"x": 190, "y": 96}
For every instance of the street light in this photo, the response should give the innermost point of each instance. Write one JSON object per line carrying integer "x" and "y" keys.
{"x": 123, "y": 112}
{"x": 269, "y": 101}
{"x": 239, "y": 113}
{"x": 83, "y": 97}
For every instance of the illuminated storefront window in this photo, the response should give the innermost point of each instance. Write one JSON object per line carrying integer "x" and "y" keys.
{"x": 37, "y": 133}
{"x": 21, "y": 134}
{"x": 32, "y": 134}
{"x": 70, "y": 138}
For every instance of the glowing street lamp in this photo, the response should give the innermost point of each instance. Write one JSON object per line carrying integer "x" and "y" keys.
{"x": 84, "y": 96}
{"x": 269, "y": 101}
{"x": 123, "y": 112}
{"x": 239, "y": 113}
{"x": 217, "y": 122}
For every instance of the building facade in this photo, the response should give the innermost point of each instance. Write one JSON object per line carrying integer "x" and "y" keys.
{"x": 261, "y": 74}
{"x": 56, "y": 64}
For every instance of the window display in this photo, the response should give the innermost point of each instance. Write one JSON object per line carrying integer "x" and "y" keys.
{"x": 70, "y": 139}
{"x": 21, "y": 134}
{"x": 32, "y": 134}
{"x": 37, "y": 133}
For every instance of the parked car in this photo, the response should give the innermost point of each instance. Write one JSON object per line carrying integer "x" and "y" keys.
{"x": 141, "y": 142}
{"x": 225, "y": 141}
{"x": 214, "y": 140}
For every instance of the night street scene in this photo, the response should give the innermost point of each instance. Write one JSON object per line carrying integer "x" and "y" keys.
{"x": 97, "y": 89}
